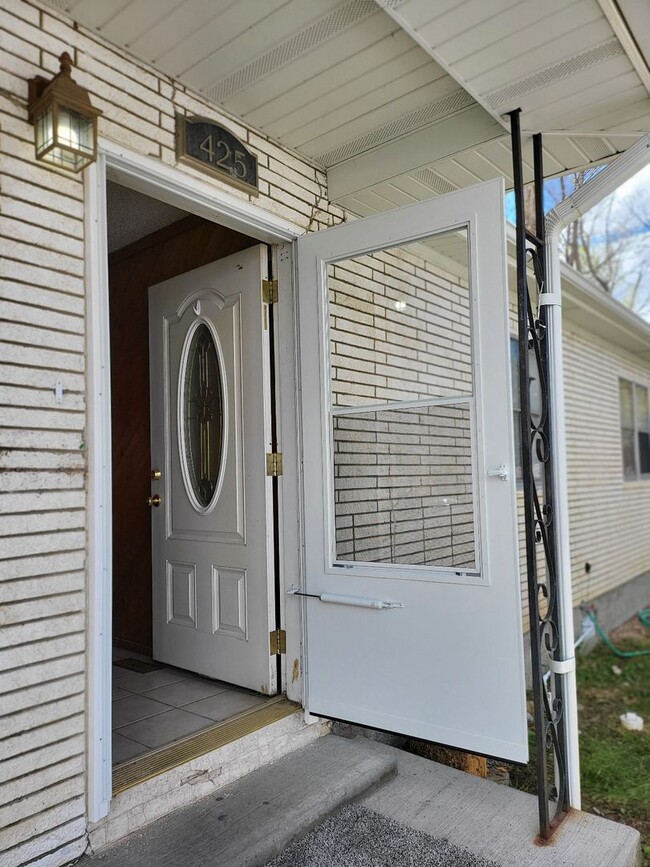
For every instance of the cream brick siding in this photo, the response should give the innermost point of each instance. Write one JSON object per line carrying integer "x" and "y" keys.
{"x": 42, "y": 443}
{"x": 42, "y": 481}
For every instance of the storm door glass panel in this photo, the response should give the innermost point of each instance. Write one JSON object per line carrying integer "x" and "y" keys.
{"x": 202, "y": 421}
{"x": 403, "y": 406}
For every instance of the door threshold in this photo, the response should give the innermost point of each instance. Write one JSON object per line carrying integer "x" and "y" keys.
{"x": 156, "y": 762}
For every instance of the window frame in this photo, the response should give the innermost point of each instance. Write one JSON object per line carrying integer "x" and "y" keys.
{"x": 637, "y": 475}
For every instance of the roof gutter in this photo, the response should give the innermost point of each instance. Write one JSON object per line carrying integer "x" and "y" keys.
{"x": 565, "y": 213}
{"x": 610, "y": 179}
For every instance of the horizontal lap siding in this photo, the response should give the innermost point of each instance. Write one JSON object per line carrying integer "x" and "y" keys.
{"x": 609, "y": 517}
{"x": 42, "y": 442}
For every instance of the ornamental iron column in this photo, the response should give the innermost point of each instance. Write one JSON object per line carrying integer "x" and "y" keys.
{"x": 536, "y": 439}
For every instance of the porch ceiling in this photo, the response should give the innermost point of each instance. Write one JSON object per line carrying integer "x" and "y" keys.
{"x": 401, "y": 100}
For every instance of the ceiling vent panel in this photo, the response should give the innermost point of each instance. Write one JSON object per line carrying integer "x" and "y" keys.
{"x": 593, "y": 147}
{"x": 295, "y": 46}
{"x": 441, "y": 186}
{"x": 407, "y": 123}
{"x": 508, "y": 97}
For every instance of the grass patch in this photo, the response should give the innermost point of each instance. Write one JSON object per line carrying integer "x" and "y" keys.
{"x": 614, "y": 763}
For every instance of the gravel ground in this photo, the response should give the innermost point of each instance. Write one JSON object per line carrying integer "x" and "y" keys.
{"x": 357, "y": 837}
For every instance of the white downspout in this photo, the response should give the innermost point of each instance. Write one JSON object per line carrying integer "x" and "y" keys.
{"x": 566, "y": 212}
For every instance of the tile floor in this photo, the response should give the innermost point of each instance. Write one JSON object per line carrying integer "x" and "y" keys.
{"x": 155, "y": 709}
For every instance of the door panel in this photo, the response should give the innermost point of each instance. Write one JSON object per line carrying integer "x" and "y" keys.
{"x": 176, "y": 249}
{"x": 413, "y": 617}
{"x": 211, "y": 535}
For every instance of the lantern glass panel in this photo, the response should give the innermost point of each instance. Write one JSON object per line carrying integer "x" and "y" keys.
{"x": 74, "y": 131}
{"x": 44, "y": 131}
{"x": 65, "y": 138}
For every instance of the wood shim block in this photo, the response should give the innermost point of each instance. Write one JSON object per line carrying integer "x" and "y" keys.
{"x": 458, "y": 759}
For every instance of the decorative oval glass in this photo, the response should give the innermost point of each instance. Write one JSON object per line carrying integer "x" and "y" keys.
{"x": 201, "y": 410}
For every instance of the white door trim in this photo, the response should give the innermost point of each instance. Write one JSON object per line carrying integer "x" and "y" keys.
{"x": 182, "y": 189}
{"x": 100, "y": 549}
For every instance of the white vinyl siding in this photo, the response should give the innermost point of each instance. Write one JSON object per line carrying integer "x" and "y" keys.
{"x": 609, "y": 517}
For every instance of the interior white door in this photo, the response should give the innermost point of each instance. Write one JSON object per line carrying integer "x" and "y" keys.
{"x": 412, "y": 597}
{"x": 212, "y": 532}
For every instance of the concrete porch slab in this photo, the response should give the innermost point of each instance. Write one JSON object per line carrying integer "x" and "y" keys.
{"x": 494, "y": 821}
{"x": 248, "y": 822}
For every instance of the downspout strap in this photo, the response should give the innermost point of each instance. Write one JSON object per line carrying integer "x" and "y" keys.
{"x": 562, "y": 666}
{"x": 549, "y": 298}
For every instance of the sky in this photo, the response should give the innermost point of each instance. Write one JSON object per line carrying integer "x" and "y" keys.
{"x": 629, "y": 210}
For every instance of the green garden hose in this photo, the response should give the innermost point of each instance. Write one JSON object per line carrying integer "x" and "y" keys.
{"x": 644, "y": 617}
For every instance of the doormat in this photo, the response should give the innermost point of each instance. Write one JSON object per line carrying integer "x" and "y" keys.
{"x": 357, "y": 837}
{"x": 142, "y": 666}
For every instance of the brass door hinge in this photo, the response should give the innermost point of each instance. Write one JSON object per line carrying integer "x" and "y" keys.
{"x": 270, "y": 291}
{"x": 274, "y": 464}
{"x": 278, "y": 641}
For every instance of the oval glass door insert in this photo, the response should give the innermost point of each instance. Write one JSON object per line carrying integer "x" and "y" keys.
{"x": 202, "y": 420}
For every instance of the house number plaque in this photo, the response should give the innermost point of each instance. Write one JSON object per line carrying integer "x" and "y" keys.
{"x": 213, "y": 149}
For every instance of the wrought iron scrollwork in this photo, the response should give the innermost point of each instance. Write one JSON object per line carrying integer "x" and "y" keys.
{"x": 542, "y": 577}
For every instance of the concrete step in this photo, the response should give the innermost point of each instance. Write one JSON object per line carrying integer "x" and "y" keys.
{"x": 493, "y": 821}
{"x": 249, "y": 822}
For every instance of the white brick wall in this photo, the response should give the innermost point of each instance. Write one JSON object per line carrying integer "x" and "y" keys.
{"x": 42, "y": 481}
{"x": 42, "y": 443}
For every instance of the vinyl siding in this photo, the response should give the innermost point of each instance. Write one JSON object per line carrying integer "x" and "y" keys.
{"x": 609, "y": 516}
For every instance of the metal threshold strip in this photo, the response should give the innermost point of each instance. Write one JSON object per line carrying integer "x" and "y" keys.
{"x": 165, "y": 758}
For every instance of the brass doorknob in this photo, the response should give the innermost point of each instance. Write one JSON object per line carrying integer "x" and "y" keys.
{"x": 156, "y": 475}
{"x": 155, "y": 501}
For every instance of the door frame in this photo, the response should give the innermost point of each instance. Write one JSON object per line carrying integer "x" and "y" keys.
{"x": 187, "y": 191}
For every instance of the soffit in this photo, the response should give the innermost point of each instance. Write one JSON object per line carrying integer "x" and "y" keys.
{"x": 559, "y": 61}
{"x": 399, "y": 103}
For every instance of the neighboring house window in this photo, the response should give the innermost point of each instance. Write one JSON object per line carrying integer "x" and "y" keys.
{"x": 535, "y": 407}
{"x": 635, "y": 429}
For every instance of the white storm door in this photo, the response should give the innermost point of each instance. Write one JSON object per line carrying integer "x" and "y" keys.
{"x": 413, "y": 605}
{"x": 212, "y": 534}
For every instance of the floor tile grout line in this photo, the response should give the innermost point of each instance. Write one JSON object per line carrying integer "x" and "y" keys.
{"x": 162, "y": 713}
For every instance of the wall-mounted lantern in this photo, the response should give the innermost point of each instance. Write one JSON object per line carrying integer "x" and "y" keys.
{"x": 64, "y": 120}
